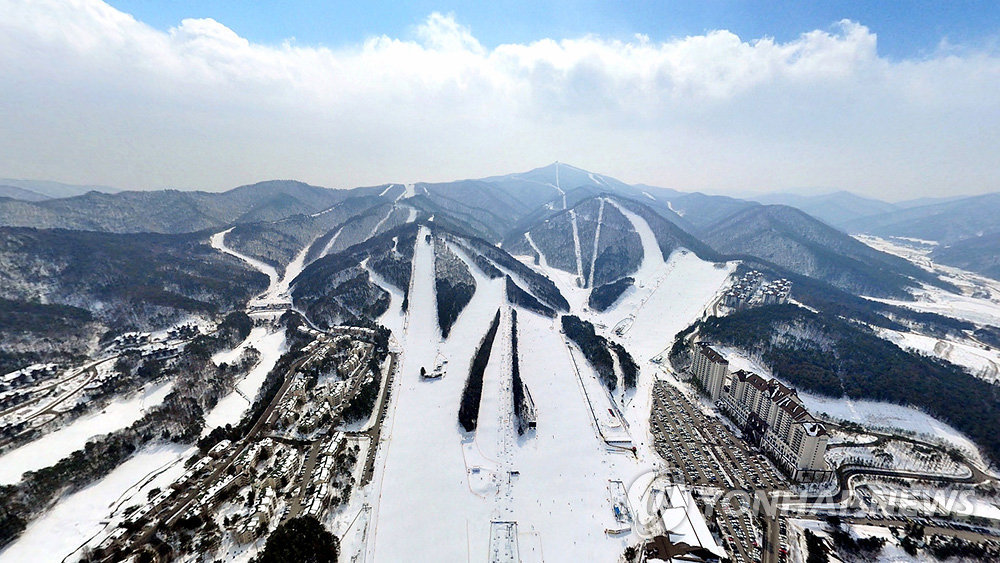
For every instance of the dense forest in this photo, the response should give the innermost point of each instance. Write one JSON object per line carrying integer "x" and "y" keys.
{"x": 303, "y": 540}
{"x": 468, "y": 410}
{"x": 630, "y": 370}
{"x": 518, "y": 296}
{"x": 140, "y": 279}
{"x": 594, "y": 348}
{"x": 824, "y": 354}
{"x": 604, "y": 296}
{"x": 453, "y": 284}
{"x": 522, "y": 405}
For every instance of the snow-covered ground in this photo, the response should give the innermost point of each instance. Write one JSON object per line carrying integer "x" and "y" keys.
{"x": 435, "y": 490}
{"x": 877, "y": 415}
{"x": 981, "y": 361}
{"x": 979, "y": 301}
{"x": 565, "y": 470}
{"x": 424, "y": 505}
{"x": 871, "y": 414}
{"x": 218, "y": 242}
{"x": 554, "y": 483}
{"x": 230, "y": 408}
{"x": 966, "y": 307}
{"x": 78, "y": 518}
{"x": 56, "y": 445}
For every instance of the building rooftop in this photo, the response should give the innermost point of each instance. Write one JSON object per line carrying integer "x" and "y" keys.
{"x": 711, "y": 354}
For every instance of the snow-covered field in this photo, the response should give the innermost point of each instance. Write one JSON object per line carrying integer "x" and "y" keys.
{"x": 871, "y": 414}
{"x": 424, "y": 505}
{"x": 981, "y": 362}
{"x": 879, "y": 415}
{"x": 229, "y": 409}
{"x": 78, "y": 518}
{"x": 979, "y": 301}
{"x": 966, "y": 307}
{"x": 56, "y": 445}
{"x": 439, "y": 489}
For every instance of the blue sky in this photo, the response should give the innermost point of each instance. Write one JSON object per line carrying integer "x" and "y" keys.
{"x": 905, "y": 28}
{"x": 841, "y": 96}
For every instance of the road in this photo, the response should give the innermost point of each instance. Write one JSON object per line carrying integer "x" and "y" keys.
{"x": 375, "y": 432}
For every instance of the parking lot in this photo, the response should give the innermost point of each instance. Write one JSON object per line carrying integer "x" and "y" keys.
{"x": 705, "y": 453}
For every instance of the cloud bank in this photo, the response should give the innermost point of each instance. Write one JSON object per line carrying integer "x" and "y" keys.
{"x": 92, "y": 95}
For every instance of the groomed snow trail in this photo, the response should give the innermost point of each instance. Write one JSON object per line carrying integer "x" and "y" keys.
{"x": 576, "y": 245}
{"x": 541, "y": 255}
{"x": 54, "y": 446}
{"x": 333, "y": 239}
{"x": 423, "y": 508}
{"x": 560, "y": 497}
{"x": 218, "y": 242}
{"x": 230, "y": 408}
{"x": 597, "y": 242}
{"x": 382, "y": 222}
{"x": 293, "y": 269}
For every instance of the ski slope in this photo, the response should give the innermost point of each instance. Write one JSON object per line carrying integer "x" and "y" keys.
{"x": 597, "y": 242}
{"x": 425, "y": 467}
{"x": 218, "y": 242}
{"x": 80, "y": 516}
{"x": 54, "y": 446}
{"x": 230, "y": 408}
{"x": 576, "y": 245}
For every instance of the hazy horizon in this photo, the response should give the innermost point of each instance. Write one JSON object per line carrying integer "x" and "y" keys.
{"x": 26, "y": 183}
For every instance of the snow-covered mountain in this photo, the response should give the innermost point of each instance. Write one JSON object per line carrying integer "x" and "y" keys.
{"x": 528, "y": 318}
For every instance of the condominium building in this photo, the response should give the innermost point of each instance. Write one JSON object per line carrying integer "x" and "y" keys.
{"x": 774, "y": 419}
{"x": 710, "y": 369}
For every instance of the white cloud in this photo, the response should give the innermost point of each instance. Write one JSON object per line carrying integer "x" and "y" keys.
{"x": 92, "y": 95}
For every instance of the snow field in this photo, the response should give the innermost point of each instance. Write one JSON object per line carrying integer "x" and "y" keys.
{"x": 558, "y": 491}
{"x": 889, "y": 416}
{"x": 56, "y": 445}
{"x": 424, "y": 470}
{"x": 561, "y": 495}
{"x": 970, "y": 305}
{"x": 980, "y": 362}
{"x": 561, "y": 500}
{"x": 230, "y": 408}
{"x": 78, "y": 517}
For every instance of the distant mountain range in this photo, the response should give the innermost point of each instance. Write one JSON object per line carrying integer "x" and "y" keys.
{"x": 833, "y": 209}
{"x": 169, "y": 211}
{"x": 555, "y": 208}
{"x": 553, "y": 240}
{"x": 38, "y": 190}
{"x": 945, "y": 222}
